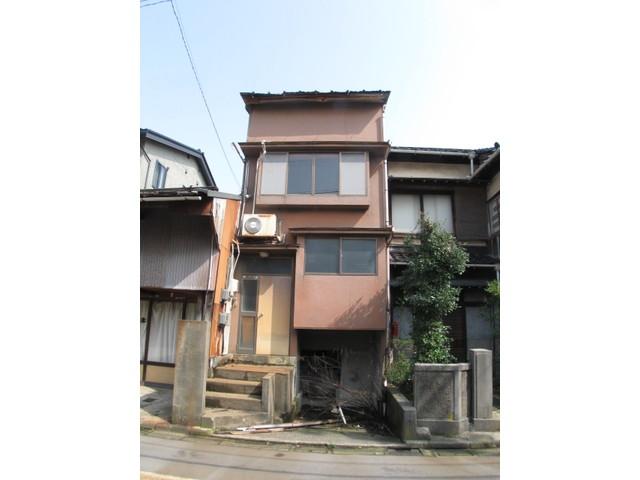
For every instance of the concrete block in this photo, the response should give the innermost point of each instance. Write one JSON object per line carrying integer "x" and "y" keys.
{"x": 481, "y": 383}
{"x": 268, "y": 393}
{"x": 440, "y": 397}
{"x": 401, "y": 417}
{"x": 190, "y": 373}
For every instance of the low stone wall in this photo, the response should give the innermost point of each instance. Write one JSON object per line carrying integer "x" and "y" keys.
{"x": 401, "y": 417}
{"x": 441, "y": 397}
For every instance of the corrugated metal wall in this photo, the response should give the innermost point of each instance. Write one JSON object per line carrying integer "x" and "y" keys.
{"x": 175, "y": 251}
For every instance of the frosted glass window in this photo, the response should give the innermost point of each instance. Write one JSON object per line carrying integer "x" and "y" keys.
{"x": 438, "y": 209}
{"x": 358, "y": 255}
{"x": 322, "y": 255}
{"x": 327, "y": 168}
{"x": 274, "y": 174}
{"x": 353, "y": 174}
{"x": 249, "y": 295}
{"x": 405, "y": 212}
{"x": 299, "y": 176}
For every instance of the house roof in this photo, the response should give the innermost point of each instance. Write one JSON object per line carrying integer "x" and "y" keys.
{"x": 441, "y": 155}
{"x": 186, "y": 192}
{"x": 361, "y": 96}
{"x": 148, "y": 134}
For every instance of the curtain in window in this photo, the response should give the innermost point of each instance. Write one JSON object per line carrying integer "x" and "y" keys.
{"x": 405, "y": 212}
{"x": 144, "y": 321}
{"x": 162, "y": 338}
{"x": 194, "y": 311}
{"x": 438, "y": 209}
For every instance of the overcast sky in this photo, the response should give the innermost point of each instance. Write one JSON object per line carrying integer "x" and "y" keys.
{"x": 438, "y": 58}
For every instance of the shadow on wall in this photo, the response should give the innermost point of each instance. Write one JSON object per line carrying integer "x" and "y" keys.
{"x": 364, "y": 315}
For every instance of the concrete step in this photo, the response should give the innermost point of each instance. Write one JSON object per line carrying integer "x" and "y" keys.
{"x": 241, "y": 371}
{"x": 224, "y": 419}
{"x": 238, "y": 401}
{"x": 234, "y": 386}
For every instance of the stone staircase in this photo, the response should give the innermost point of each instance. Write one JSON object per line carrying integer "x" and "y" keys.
{"x": 235, "y": 395}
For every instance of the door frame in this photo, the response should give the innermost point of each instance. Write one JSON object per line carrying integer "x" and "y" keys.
{"x": 253, "y": 314}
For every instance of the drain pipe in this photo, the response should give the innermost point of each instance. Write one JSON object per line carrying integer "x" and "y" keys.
{"x": 255, "y": 181}
{"x": 243, "y": 194}
{"x": 387, "y": 224}
{"x": 472, "y": 157}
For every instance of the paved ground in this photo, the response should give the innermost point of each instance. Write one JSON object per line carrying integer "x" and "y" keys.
{"x": 167, "y": 454}
{"x": 155, "y": 406}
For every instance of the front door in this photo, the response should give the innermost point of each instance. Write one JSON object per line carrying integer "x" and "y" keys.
{"x": 274, "y": 315}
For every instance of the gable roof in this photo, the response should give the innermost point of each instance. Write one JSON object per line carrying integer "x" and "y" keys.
{"x": 198, "y": 155}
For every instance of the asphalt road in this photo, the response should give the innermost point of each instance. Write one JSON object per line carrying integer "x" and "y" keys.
{"x": 201, "y": 458}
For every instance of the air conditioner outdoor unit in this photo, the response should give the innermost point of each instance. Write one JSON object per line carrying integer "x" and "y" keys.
{"x": 258, "y": 225}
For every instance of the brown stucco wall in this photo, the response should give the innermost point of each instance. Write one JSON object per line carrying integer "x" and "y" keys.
{"x": 332, "y": 121}
{"x": 340, "y": 302}
{"x": 319, "y": 215}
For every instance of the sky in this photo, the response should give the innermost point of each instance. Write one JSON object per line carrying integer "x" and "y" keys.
{"x": 439, "y": 59}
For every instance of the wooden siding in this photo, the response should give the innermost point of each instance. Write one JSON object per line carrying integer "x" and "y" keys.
{"x": 175, "y": 252}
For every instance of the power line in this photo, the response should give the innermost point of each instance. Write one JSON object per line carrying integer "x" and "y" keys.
{"x": 195, "y": 74}
{"x": 152, "y": 4}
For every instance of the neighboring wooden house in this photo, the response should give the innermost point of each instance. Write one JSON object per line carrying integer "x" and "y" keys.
{"x": 459, "y": 189}
{"x": 167, "y": 163}
{"x": 185, "y": 241}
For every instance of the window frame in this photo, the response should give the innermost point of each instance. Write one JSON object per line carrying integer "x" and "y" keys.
{"x": 420, "y": 194}
{"x": 340, "y": 256}
{"x": 313, "y": 176}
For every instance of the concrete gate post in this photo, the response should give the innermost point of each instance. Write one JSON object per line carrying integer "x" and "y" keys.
{"x": 480, "y": 361}
{"x": 190, "y": 378}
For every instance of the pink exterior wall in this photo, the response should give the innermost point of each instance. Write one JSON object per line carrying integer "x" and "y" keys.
{"x": 332, "y": 302}
{"x": 340, "y": 302}
{"x": 312, "y": 215}
{"x": 319, "y": 122}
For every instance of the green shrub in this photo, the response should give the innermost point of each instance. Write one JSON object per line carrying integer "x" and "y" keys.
{"x": 399, "y": 373}
{"x": 435, "y": 259}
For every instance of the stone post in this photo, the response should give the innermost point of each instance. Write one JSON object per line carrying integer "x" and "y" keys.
{"x": 190, "y": 380}
{"x": 480, "y": 361}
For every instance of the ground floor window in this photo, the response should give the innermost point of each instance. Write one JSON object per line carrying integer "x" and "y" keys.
{"x": 159, "y": 315}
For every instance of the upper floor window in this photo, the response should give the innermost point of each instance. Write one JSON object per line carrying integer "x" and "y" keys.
{"x": 314, "y": 174}
{"x": 159, "y": 176}
{"x": 356, "y": 256}
{"x": 407, "y": 208}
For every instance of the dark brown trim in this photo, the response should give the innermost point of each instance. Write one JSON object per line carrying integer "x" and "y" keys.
{"x": 146, "y": 343}
{"x": 160, "y": 364}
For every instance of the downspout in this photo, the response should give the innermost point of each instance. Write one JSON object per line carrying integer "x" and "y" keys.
{"x": 255, "y": 181}
{"x": 472, "y": 156}
{"x": 388, "y": 282}
{"x": 213, "y": 242}
{"x": 244, "y": 186}
{"x": 146, "y": 175}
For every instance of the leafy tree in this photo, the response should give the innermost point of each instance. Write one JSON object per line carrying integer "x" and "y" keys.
{"x": 435, "y": 259}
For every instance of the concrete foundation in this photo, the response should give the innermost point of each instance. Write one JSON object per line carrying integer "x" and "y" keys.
{"x": 189, "y": 384}
{"x": 441, "y": 397}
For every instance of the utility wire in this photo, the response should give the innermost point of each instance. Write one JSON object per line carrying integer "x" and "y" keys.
{"x": 195, "y": 74}
{"x": 152, "y": 4}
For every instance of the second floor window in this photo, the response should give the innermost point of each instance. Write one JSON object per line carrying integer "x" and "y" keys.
{"x": 354, "y": 256}
{"x": 159, "y": 176}
{"x": 314, "y": 174}
{"x": 407, "y": 208}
